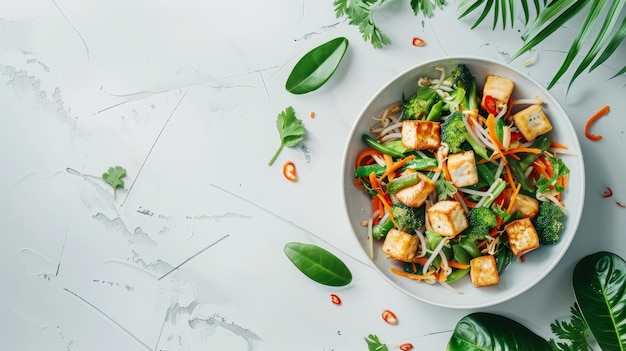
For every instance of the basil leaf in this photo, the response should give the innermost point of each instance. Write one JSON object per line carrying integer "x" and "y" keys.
{"x": 486, "y": 331}
{"x": 600, "y": 287}
{"x": 316, "y": 66}
{"x": 318, "y": 264}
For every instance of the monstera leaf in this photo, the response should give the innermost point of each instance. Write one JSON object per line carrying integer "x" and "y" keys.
{"x": 600, "y": 289}
{"x": 486, "y": 331}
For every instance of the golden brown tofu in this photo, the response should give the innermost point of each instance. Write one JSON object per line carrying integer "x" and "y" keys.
{"x": 447, "y": 218}
{"x": 462, "y": 169}
{"x": 532, "y": 122}
{"x": 421, "y": 135}
{"x": 526, "y": 205}
{"x": 400, "y": 245}
{"x": 499, "y": 88}
{"x": 484, "y": 271}
{"x": 523, "y": 237}
{"x": 415, "y": 195}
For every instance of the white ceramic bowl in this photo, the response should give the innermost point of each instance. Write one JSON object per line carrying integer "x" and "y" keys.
{"x": 518, "y": 277}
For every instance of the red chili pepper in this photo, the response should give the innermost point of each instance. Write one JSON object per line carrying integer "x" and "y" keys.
{"x": 490, "y": 105}
{"x": 418, "y": 41}
{"x": 515, "y": 136}
{"x": 406, "y": 347}
{"x": 289, "y": 171}
{"x": 608, "y": 192}
{"x": 389, "y": 317}
{"x": 335, "y": 299}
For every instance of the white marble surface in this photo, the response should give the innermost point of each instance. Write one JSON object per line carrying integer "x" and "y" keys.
{"x": 189, "y": 255}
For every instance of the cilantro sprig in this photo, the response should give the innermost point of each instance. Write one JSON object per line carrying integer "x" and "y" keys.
{"x": 290, "y": 129}
{"x": 114, "y": 176}
{"x": 374, "y": 343}
{"x": 360, "y": 13}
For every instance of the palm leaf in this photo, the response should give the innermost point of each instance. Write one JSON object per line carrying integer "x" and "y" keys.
{"x": 601, "y": 39}
{"x": 581, "y": 37}
{"x": 533, "y": 35}
{"x": 617, "y": 39}
{"x": 506, "y": 8}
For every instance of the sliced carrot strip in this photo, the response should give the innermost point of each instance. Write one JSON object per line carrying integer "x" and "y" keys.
{"x": 361, "y": 158}
{"x": 459, "y": 265}
{"x": 600, "y": 113}
{"x": 391, "y": 169}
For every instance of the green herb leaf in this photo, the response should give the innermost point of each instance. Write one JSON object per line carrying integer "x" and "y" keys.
{"x": 487, "y": 331}
{"x": 575, "y": 332}
{"x": 360, "y": 14}
{"x": 290, "y": 129}
{"x": 114, "y": 176}
{"x": 599, "y": 280}
{"x": 374, "y": 344}
{"x": 318, "y": 264}
{"x": 316, "y": 66}
{"x": 427, "y": 7}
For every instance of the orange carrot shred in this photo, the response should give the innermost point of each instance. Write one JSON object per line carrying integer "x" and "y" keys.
{"x": 600, "y": 113}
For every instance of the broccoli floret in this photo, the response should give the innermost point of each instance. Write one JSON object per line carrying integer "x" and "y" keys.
{"x": 549, "y": 222}
{"x": 462, "y": 77}
{"x": 454, "y": 133}
{"x": 408, "y": 217}
{"x": 481, "y": 220}
{"x": 418, "y": 106}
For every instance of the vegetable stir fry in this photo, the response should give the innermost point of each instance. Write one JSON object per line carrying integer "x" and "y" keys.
{"x": 463, "y": 180}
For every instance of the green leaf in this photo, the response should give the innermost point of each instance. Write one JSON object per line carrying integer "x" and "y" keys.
{"x": 316, "y": 66}
{"x": 574, "y": 332}
{"x": 486, "y": 331}
{"x": 601, "y": 39}
{"x": 114, "y": 176}
{"x": 615, "y": 42}
{"x": 374, "y": 344}
{"x": 290, "y": 129}
{"x": 600, "y": 287}
{"x": 318, "y": 264}
{"x": 581, "y": 37}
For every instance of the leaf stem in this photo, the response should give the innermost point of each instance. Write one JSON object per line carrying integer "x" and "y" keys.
{"x": 280, "y": 148}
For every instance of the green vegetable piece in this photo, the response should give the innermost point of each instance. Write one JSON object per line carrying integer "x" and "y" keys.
{"x": 457, "y": 274}
{"x": 364, "y": 171}
{"x": 419, "y": 105}
{"x": 374, "y": 343}
{"x": 318, "y": 264}
{"x": 460, "y": 254}
{"x": 599, "y": 280}
{"x": 549, "y": 222}
{"x": 371, "y": 142}
{"x": 316, "y": 66}
{"x": 454, "y": 133}
{"x": 469, "y": 246}
{"x": 290, "y": 129}
{"x": 487, "y": 331}
{"x": 114, "y": 176}
{"x": 380, "y": 230}
{"x": 402, "y": 182}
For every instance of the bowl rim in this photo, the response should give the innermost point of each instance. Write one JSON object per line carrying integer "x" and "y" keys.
{"x": 573, "y": 223}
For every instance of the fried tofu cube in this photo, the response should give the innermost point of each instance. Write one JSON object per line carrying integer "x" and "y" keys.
{"x": 416, "y": 195}
{"x": 421, "y": 135}
{"x": 523, "y": 237}
{"x": 462, "y": 168}
{"x": 400, "y": 245}
{"x": 526, "y": 205}
{"x": 447, "y": 218}
{"x": 499, "y": 88}
{"x": 532, "y": 122}
{"x": 484, "y": 271}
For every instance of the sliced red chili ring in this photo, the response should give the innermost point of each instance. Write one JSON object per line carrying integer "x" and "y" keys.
{"x": 335, "y": 299}
{"x": 289, "y": 171}
{"x": 389, "y": 317}
{"x": 608, "y": 192}
{"x": 490, "y": 105}
{"x": 418, "y": 41}
{"x": 406, "y": 346}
